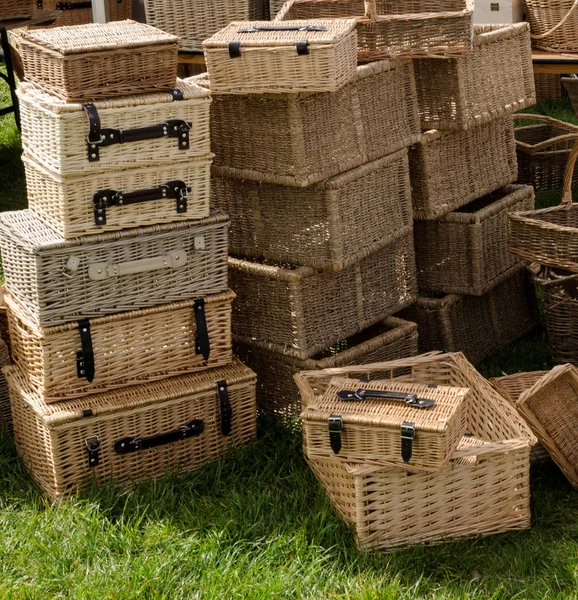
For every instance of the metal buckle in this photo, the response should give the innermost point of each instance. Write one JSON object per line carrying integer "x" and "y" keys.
{"x": 92, "y": 443}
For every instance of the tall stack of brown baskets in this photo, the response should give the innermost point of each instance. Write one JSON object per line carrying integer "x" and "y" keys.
{"x": 116, "y": 277}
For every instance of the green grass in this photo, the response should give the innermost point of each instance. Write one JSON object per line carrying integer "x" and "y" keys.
{"x": 256, "y": 524}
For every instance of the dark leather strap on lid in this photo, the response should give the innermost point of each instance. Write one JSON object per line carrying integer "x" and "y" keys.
{"x": 130, "y": 444}
{"x": 85, "y": 357}
{"x": 302, "y": 47}
{"x": 335, "y": 425}
{"x": 225, "y": 405}
{"x": 73, "y": 5}
{"x": 407, "y": 437}
{"x": 234, "y": 49}
{"x": 202, "y": 343}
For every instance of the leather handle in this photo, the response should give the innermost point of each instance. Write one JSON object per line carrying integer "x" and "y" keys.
{"x": 363, "y": 394}
{"x": 130, "y": 444}
{"x": 173, "y": 260}
{"x": 257, "y": 28}
{"x": 73, "y": 5}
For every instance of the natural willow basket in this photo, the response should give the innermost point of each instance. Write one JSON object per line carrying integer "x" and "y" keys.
{"x": 322, "y": 226}
{"x": 132, "y": 434}
{"x": 15, "y": 9}
{"x": 277, "y": 393}
{"x": 449, "y": 94}
{"x": 79, "y": 12}
{"x": 323, "y": 134}
{"x": 554, "y": 24}
{"x": 450, "y": 169}
{"x": 548, "y": 87}
{"x": 466, "y": 251}
{"x": 5, "y": 412}
{"x": 398, "y": 28}
{"x": 61, "y": 362}
{"x": 58, "y": 281}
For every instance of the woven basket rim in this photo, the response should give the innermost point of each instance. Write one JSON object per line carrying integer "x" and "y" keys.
{"x": 489, "y": 34}
{"x": 530, "y": 217}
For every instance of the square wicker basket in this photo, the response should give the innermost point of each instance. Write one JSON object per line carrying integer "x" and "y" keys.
{"x": 15, "y": 9}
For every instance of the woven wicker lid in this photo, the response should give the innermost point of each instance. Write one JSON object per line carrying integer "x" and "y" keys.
{"x": 94, "y": 37}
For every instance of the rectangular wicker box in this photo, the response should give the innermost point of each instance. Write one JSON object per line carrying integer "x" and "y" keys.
{"x": 123, "y": 349}
{"x": 449, "y": 92}
{"x": 277, "y": 392}
{"x": 99, "y": 61}
{"x": 57, "y": 133}
{"x": 59, "y": 281}
{"x": 15, "y": 9}
{"x": 322, "y": 134}
{"x": 323, "y": 226}
{"x": 466, "y": 251}
{"x": 76, "y": 12}
{"x": 132, "y": 434}
{"x": 248, "y": 57}
{"x": 305, "y": 311}
{"x": 450, "y": 169}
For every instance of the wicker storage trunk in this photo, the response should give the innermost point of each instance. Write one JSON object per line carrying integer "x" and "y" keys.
{"x": 322, "y": 226}
{"x": 79, "y": 12}
{"x": 256, "y": 56}
{"x": 59, "y": 281}
{"x": 133, "y": 434}
{"x": 450, "y": 169}
{"x": 277, "y": 392}
{"x": 123, "y": 349}
{"x": 99, "y": 61}
{"x": 15, "y": 9}
{"x": 476, "y": 325}
{"x": 394, "y": 28}
{"x": 554, "y": 24}
{"x": 466, "y": 251}
{"x": 323, "y": 134}
{"x": 56, "y": 133}
{"x": 306, "y": 312}
{"x": 449, "y": 92}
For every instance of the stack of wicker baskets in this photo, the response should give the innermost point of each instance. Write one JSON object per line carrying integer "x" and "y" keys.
{"x": 116, "y": 277}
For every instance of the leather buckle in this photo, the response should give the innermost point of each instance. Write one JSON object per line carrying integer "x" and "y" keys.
{"x": 335, "y": 426}
{"x": 407, "y": 437}
{"x": 92, "y": 443}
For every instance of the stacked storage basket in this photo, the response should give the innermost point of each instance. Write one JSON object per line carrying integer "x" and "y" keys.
{"x": 118, "y": 304}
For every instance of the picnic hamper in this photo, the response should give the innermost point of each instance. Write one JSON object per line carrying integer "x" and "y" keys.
{"x": 449, "y": 92}
{"x": 323, "y": 134}
{"x": 277, "y": 392}
{"x": 99, "y": 61}
{"x": 59, "y": 280}
{"x": 466, "y": 251}
{"x": 450, "y": 169}
{"x": 248, "y": 57}
{"x": 397, "y": 28}
{"x": 305, "y": 311}
{"x": 323, "y": 226}
{"x": 15, "y": 9}
{"x": 135, "y": 433}
{"x": 62, "y": 362}
{"x": 554, "y": 24}
{"x": 79, "y": 12}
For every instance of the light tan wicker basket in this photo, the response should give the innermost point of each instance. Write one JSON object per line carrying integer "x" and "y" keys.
{"x": 172, "y": 425}
{"x": 554, "y": 24}
{"x": 322, "y": 226}
{"x": 59, "y": 281}
{"x": 56, "y": 133}
{"x": 258, "y": 56}
{"x": 5, "y": 412}
{"x": 123, "y": 349}
{"x": 449, "y": 94}
{"x": 277, "y": 393}
{"x": 450, "y": 169}
{"x": 99, "y": 61}
{"x": 402, "y": 28}
{"x": 15, "y": 9}
{"x": 79, "y": 12}
{"x": 323, "y": 134}
{"x": 466, "y": 251}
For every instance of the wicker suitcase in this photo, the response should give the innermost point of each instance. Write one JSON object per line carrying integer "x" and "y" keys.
{"x": 79, "y": 12}
{"x": 58, "y": 281}
{"x": 258, "y": 56}
{"x": 323, "y": 226}
{"x": 133, "y": 434}
{"x": 97, "y": 355}
{"x": 15, "y": 9}
{"x": 99, "y": 61}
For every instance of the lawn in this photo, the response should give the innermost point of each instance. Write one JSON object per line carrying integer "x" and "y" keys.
{"x": 256, "y": 524}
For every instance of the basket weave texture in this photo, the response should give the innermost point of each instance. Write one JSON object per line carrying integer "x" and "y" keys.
{"x": 15, "y": 9}
{"x": 98, "y": 61}
{"x": 129, "y": 348}
{"x": 450, "y": 169}
{"x": 5, "y": 412}
{"x": 554, "y": 24}
{"x": 396, "y": 28}
{"x": 58, "y": 281}
{"x": 548, "y": 86}
{"x": 118, "y": 10}
{"x": 494, "y": 80}
{"x": 323, "y": 134}
{"x": 466, "y": 251}
{"x": 51, "y": 439}
{"x": 571, "y": 86}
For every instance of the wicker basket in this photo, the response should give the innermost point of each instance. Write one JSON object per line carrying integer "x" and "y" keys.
{"x": 277, "y": 393}
{"x": 450, "y": 169}
{"x": 305, "y": 312}
{"x": 55, "y": 133}
{"x": 466, "y": 251}
{"x": 571, "y": 86}
{"x": 15, "y": 9}
{"x": 99, "y": 61}
{"x": 122, "y": 349}
{"x": 292, "y": 57}
{"x": 78, "y": 12}
{"x": 322, "y": 134}
{"x": 449, "y": 92}
{"x": 386, "y": 29}
{"x": 477, "y": 325}
{"x": 59, "y": 281}
{"x": 172, "y": 425}
{"x": 5, "y": 412}
{"x": 554, "y": 24}
{"x": 322, "y": 226}
{"x": 548, "y": 87}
